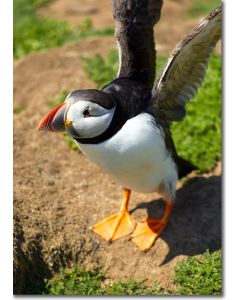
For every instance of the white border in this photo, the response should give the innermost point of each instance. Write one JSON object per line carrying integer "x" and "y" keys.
{"x": 231, "y": 168}
{"x": 6, "y": 150}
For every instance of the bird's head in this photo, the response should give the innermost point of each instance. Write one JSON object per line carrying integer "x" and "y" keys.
{"x": 84, "y": 114}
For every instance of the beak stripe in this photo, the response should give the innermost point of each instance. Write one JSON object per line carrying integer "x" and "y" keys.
{"x": 45, "y": 123}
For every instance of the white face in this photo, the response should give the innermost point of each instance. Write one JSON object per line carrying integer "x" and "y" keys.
{"x": 89, "y": 119}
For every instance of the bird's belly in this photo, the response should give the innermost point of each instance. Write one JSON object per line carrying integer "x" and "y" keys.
{"x": 136, "y": 156}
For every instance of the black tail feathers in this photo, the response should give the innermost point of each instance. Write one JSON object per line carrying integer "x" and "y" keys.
{"x": 184, "y": 167}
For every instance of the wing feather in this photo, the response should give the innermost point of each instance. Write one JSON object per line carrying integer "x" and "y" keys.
{"x": 134, "y": 22}
{"x": 186, "y": 69}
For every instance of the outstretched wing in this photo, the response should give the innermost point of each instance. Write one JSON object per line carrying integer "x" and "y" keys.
{"x": 185, "y": 70}
{"x": 135, "y": 20}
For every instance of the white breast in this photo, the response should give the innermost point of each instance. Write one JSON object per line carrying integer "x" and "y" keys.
{"x": 136, "y": 156}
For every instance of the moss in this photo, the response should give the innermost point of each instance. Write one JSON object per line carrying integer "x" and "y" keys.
{"x": 199, "y": 8}
{"x": 201, "y": 275}
{"x": 34, "y": 33}
{"x": 79, "y": 282}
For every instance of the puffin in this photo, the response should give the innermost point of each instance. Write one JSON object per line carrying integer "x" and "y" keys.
{"x": 125, "y": 127}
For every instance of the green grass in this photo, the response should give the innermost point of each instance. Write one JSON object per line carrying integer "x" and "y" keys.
{"x": 70, "y": 142}
{"x": 79, "y": 282}
{"x": 18, "y": 109}
{"x": 133, "y": 288}
{"x": 200, "y": 275}
{"x": 199, "y": 8}
{"x": 100, "y": 69}
{"x": 58, "y": 99}
{"x": 76, "y": 282}
{"x": 198, "y": 136}
{"x": 34, "y": 33}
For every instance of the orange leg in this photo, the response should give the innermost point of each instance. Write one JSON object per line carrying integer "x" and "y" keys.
{"x": 117, "y": 225}
{"x": 149, "y": 230}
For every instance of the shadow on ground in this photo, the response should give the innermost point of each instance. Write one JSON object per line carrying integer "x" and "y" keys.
{"x": 194, "y": 227}
{"x": 195, "y": 224}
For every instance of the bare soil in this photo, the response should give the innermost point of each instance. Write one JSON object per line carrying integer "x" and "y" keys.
{"x": 59, "y": 194}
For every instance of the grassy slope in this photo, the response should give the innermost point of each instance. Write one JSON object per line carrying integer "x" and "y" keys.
{"x": 199, "y": 275}
{"x": 198, "y": 136}
{"x": 199, "y": 8}
{"x": 79, "y": 282}
{"x": 34, "y": 33}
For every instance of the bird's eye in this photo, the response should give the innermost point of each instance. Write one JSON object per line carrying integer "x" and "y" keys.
{"x": 86, "y": 113}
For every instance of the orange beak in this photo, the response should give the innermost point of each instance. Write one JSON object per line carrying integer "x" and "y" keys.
{"x": 54, "y": 119}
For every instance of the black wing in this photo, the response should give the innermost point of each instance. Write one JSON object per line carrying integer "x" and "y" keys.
{"x": 185, "y": 69}
{"x": 135, "y": 20}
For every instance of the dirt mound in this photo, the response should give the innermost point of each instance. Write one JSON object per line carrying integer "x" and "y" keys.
{"x": 58, "y": 194}
{"x": 173, "y": 25}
